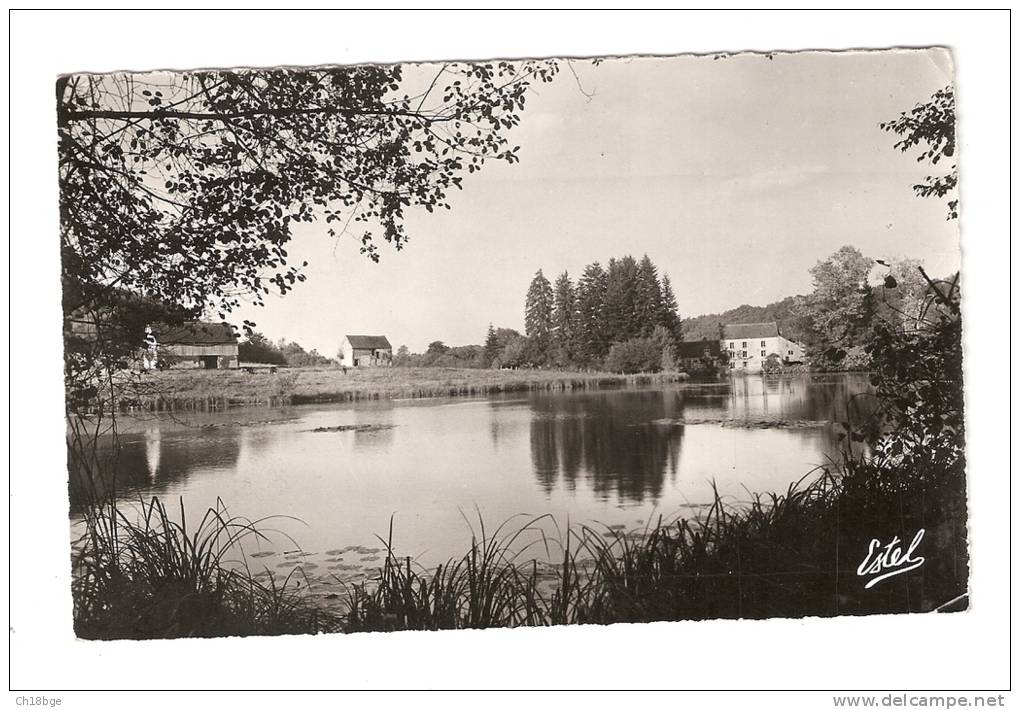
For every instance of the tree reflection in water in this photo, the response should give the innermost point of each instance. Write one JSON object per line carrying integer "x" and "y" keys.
{"x": 152, "y": 460}
{"x": 624, "y": 443}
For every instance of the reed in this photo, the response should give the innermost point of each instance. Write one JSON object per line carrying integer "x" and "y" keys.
{"x": 789, "y": 554}
{"x": 143, "y": 574}
{"x": 191, "y": 390}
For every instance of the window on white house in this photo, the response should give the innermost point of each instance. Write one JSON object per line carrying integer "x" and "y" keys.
{"x": 743, "y": 344}
{"x": 763, "y": 353}
{"x": 763, "y": 343}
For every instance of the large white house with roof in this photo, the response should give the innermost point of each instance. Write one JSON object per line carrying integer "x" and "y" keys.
{"x": 750, "y": 344}
{"x": 366, "y": 351}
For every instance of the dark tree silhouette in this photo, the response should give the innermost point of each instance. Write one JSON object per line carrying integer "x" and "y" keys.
{"x": 931, "y": 127}
{"x": 538, "y": 315}
{"x": 620, "y": 315}
{"x": 648, "y": 297}
{"x": 592, "y": 343}
{"x": 186, "y": 187}
{"x": 491, "y": 347}
{"x": 564, "y": 319}
{"x": 670, "y": 318}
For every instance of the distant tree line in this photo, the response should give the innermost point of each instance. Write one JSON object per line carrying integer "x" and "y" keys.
{"x": 852, "y": 293}
{"x": 623, "y": 318}
{"x": 439, "y": 354}
{"x": 258, "y": 348}
{"x": 787, "y": 312}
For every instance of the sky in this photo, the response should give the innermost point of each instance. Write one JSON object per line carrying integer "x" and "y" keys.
{"x": 735, "y": 175}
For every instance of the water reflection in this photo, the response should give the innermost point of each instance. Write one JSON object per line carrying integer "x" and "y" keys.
{"x": 627, "y": 444}
{"x": 613, "y": 456}
{"x": 152, "y": 460}
{"x": 616, "y": 440}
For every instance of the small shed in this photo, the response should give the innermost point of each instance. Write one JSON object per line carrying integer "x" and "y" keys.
{"x": 693, "y": 354}
{"x": 366, "y": 351}
{"x": 208, "y": 346}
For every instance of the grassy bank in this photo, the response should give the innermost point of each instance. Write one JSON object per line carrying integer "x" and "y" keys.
{"x": 784, "y": 555}
{"x": 221, "y": 389}
{"x": 141, "y": 574}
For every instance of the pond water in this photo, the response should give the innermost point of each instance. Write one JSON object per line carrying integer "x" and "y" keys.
{"x": 613, "y": 457}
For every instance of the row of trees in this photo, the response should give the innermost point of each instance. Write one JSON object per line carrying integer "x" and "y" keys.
{"x": 258, "y": 348}
{"x": 622, "y": 316}
{"x": 570, "y": 324}
{"x": 439, "y": 354}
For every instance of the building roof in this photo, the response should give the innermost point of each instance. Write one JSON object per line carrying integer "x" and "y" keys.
{"x": 196, "y": 333}
{"x": 697, "y": 348}
{"x": 369, "y": 342}
{"x": 736, "y": 331}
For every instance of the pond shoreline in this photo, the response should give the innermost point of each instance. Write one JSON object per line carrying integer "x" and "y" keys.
{"x": 221, "y": 390}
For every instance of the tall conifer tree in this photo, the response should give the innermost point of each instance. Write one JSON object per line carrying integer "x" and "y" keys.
{"x": 564, "y": 319}
{"x": 670, "y": 318}
{"x": 591, "y": 340}
{"x": 648, "y": 297}
{"x": 538, "y": 312}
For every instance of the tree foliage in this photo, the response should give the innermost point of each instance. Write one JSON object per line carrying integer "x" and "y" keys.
{"x": 931, "y": 127}
{"x": 538, "y": 308}
{"x": 564, "y": 321}
{"x": 258, "y": 348}
{"x": 918, "y": 374}
{"x": 187, "y": 187}
{"x": 592, "y": 339}
{"x": 841, "y": 306}
{"x": 491, "y": 346}
{"x": 789, "y": 313}
{"x": 635, "y": 355}
{"x": 624, "y": 301}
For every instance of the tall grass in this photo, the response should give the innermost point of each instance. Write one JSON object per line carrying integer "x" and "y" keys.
{"x": 143, "y": 574}
{"x": 147, "y": 574}
{"x": 780, "y": 555}
{"x": 191, "y": 390}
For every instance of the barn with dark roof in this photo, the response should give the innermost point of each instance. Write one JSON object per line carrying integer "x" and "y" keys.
{"x": 208, "y": 346}
{"x": 366, "y": 351}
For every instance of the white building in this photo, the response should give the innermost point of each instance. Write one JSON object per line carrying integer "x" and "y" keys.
{"x": 750, "y": 344}
{"x": 366, "y": 351}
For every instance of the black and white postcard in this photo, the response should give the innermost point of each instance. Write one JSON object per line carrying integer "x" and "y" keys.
{"x": 475, "y": 344}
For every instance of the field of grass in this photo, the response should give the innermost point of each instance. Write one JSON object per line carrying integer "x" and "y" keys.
{"x": 219, "y": 389}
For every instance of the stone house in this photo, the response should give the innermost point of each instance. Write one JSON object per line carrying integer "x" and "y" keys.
{"x": 750, "y": 344}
